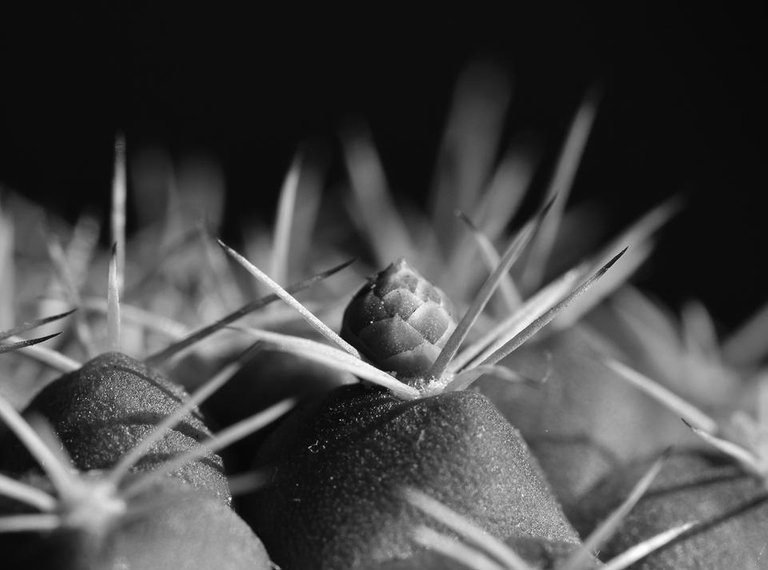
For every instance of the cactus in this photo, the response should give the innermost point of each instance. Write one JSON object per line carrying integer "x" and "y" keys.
{"x": 468, "y": 419}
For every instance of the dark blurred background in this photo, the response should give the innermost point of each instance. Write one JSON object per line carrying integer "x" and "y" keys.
{"x": 683, "y": 108}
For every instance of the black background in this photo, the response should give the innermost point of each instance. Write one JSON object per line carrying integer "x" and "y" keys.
{"x": 683, "y": 108}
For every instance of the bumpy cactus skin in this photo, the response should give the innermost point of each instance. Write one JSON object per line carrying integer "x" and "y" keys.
{"x": 338, "y": 467}
{"x": 104, "y": 409}
{"x": 400, "y": 321}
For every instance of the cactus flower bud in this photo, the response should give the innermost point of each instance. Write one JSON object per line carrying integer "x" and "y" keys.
{"x": 399, "y": 320}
